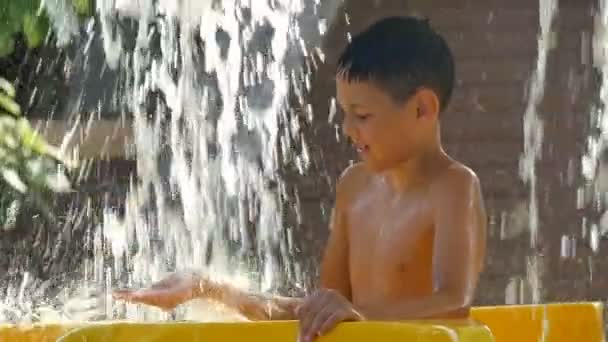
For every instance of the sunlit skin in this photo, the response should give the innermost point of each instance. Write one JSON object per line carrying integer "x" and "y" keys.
{"x": 408, "y": 231}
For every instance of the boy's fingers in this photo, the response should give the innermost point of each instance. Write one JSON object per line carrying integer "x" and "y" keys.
{"x": 148, "y": 297}
{"x": 141, "y": 296}
{"x": 168, "y": 282}
{"x": 310, "y": 310}
{"x": 122, "y": 294}
{"x": 319, "y": 320}
{"x": 305, "y": 307}
{"x": 305, "y": 322}
{"x": 331, "y": 322}
{"x": 322, "y": 310}
{"x": 321, "y": 301}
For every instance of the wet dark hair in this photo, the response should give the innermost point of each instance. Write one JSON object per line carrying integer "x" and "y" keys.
{"x": 400, "y": 55}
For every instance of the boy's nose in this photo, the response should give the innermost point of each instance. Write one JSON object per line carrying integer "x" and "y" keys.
{"x": 348, "y": 128}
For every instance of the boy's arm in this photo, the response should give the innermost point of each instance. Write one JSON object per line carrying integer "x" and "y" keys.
{"x": 335, "y": 274}
{"x": 459, "y": 250}
{"x": 180, "y": 288}
{"x": 254, "y": 306}
{"x": 335, "y": 270}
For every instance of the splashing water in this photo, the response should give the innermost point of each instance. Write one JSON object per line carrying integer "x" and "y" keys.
{"x": 591, "y": 161}
{"x": 595, "y": 161}
{"x": 533, "y": 137}
{"x": 63, "y": 18}
{"x": 207, "y": 84}
{"x": 225, "y": 69}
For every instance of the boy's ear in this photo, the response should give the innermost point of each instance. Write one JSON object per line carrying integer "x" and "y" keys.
{"x": 427, "y": 103}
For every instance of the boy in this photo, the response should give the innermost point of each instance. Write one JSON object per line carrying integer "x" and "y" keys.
{"x": 408, "y": 229}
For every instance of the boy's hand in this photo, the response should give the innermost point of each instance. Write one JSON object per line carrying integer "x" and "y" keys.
{"x": 166, "y": 294}
{"x": 322, "y": 311}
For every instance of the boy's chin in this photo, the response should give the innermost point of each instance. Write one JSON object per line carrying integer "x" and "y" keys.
{"x": 375, "y": 166}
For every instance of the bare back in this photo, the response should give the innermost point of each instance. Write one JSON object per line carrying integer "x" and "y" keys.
{"x": 384, "y": 246}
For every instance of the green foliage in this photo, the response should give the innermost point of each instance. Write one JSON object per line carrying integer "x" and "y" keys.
{"x": 31, "y": 170}
{"x": 7, "y": 43}
{"x": 84, "y": 8}
{"x": 35, "y": 28}
{"x": 29, "y": 18}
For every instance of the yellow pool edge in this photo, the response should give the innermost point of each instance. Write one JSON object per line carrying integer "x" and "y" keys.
{"x": 465, "y": 330}
{"x": 567, "y": 322}
{"x": 552, "y": 322}
{"x": 284, "y": 331}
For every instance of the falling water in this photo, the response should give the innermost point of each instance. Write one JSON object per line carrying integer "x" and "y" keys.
{"x": 533, "y": 138}
{"x": 595, "y": 161}
{"x": 206, "y": 85}
{"x": 208, "y": 195}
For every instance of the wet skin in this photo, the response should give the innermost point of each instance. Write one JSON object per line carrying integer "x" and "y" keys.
{"x": 408, "y": 231}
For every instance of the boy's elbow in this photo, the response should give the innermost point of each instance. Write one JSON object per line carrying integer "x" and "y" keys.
{"x": 462, "y": 301}
{"x": 456, "y": 293}
{"x": 456, "y": 299}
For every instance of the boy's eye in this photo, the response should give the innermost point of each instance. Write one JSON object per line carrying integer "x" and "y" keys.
{"x": 363, "y": 117}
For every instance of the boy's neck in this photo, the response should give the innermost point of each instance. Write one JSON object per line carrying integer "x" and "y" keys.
{"x": 416, "y": 171}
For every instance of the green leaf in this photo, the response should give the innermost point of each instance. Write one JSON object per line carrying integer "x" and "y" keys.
{"x": 35, "y": 28}
{"x": 11, "y": 15}
{"x": 7, "y": 124}
{"x": 13, "y": 180}
{"x": 7, "y": 43}
{"x": 6, "y": 28}
{"x": 7, "y": 104}
{"x": 83, "y": 7}
{"x": 7, "y": 87}
{"x": 10, "y": 141}
{"x": 30, "y": 138}
{"x": 22, "y": 7}
{"x": 31, "y": 170}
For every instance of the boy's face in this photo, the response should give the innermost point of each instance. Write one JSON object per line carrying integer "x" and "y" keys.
{"x": 385, "y": 132}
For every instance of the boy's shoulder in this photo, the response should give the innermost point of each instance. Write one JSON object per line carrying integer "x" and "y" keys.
{"x": 455, "y": 173}
{"x": 456, "y": 179}
{"x": 352, "y": 180}
{"x": 356, "y": 171}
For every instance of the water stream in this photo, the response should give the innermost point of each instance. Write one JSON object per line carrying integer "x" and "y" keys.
{"x": 595, "y": 161}
{"x": 206, "y": 85}
{"x": 533, "y": 141}
{"x": 209, "y": 194}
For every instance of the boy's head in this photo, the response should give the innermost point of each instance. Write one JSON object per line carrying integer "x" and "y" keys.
{"x": 393, "y": 80}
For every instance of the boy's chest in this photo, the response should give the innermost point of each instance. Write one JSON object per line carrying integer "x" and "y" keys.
{"x": 380, "y": 222}
{"x": 387, "y": 241}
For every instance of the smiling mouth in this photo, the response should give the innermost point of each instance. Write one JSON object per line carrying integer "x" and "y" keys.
{"x": 362, "y": 149}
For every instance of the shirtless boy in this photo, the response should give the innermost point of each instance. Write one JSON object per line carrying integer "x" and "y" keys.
{"x": 408, "y": 231}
